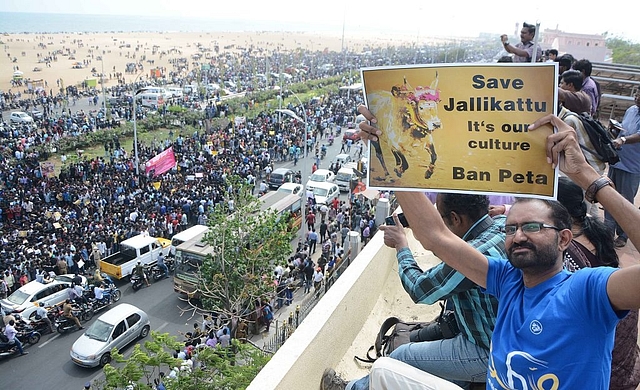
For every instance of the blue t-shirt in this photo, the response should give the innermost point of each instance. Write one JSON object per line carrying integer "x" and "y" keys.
{"x": 630, "y": 153}
{"x": 556, "y": 335}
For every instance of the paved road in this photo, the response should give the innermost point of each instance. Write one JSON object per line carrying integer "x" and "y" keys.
{"x": 48, "y": 361}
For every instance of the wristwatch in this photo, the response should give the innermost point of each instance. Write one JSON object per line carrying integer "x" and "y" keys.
{"x": 624, "y": 139}
{"x": 505, "y": 43}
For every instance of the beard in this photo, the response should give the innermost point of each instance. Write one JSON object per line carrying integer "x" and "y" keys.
{"x": 537, "y": 258}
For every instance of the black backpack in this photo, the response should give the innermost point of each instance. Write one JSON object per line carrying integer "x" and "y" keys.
{"x": 444, "y": 326}
{"x": 600, "y": 139}
{"x": 387, "y": 343}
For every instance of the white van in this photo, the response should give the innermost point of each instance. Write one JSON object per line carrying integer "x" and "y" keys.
{"x": 345, "y": 177}
{"x": 166, "y": 94}
{"x": 175, "y": 92}
{"x": 186, "y": 236}
{"x": 343, "y": 159}
{"x": 151, "y": 100}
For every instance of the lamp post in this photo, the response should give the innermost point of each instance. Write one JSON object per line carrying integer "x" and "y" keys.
{"x": 104, "y": 97}
{"x": 135, "y": 128}
{"x": 304, "y": 162}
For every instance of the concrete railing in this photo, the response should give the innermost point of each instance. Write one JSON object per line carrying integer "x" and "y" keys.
{"x": 346, "y": 320}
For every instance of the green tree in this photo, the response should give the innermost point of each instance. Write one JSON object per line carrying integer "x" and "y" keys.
{"x": 624, "y": 51}
{"x": 246, "y": 245}
{"x": 218, "y": 368}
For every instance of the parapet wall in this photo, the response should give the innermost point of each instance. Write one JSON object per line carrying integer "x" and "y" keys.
{"x": 345, "y": 322}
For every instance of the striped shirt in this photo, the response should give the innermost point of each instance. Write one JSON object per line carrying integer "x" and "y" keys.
{"x": 474, "y": 310}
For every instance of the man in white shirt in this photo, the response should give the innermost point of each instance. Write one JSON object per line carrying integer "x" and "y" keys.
{"x": 11, "y": 332}
{"x": 41, "y": 314}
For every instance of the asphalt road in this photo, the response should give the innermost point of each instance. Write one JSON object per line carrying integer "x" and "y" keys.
{"x": 48, "y": 364}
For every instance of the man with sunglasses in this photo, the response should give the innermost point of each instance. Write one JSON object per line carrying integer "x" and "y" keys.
{"x": 554, "y": 329}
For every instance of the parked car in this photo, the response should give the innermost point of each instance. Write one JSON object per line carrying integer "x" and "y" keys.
{"x": 279, "y": 177}
{"x": 319, "y": 176}
{"x": 291, "y": 188}
{"x": 324, "y": 193}
{"x": 352, "y": 134}
{"x": 116, "y": 328}
{"x": 20, "y": 117}
{"x": 28, "y": 297}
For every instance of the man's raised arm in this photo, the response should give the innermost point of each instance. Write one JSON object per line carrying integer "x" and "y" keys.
{"x": 563, "y": 150}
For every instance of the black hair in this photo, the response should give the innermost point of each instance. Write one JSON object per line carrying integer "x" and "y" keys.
{"x": 583, "y": 65}
{"x": 559, "y": 214}
{"x": 473, "y": 206}
{"x": 565, "y": 60}
{"x": 574, "y": 78}
{"x": 505, "y": 59}
{"x": 596, "y": 231}
{"x": 531, "y": 28}
{"x": 552, "y": 51}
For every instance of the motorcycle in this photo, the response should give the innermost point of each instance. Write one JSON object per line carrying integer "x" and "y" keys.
{"x": 157, "y": 273}
{"x": 64, "y": 324}
{"x": 39, "y": 324}
{"x": 111, "y": 295}
{"x": 28, "y": 336}
{"x": 7, "y": 349}
{"x": 137, "y": 281}
{"x": 331, "y": 140}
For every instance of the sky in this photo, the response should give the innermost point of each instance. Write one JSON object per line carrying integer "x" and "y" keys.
{"x": 449, "y": 18}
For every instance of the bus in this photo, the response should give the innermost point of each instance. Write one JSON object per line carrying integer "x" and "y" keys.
{"x": 186, "y": 236}
{"x": 190, "y": 254}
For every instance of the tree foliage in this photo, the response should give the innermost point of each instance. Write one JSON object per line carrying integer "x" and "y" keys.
{"x": 624, "y": 51}
{"x": 218, "y": 368}
{"x": 246, "y": 244}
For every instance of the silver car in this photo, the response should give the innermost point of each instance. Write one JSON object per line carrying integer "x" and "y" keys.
{"x": 116, "y": 328}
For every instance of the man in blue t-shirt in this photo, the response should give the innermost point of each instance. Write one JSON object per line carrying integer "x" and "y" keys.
{"x": 553, "y": 329}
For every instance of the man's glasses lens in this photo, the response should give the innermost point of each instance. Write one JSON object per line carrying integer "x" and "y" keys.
{"x": 530, "y": 227}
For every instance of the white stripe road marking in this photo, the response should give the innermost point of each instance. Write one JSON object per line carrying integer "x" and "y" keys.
{"x": 162, "y": 326}
{"x": 48, "y": 341}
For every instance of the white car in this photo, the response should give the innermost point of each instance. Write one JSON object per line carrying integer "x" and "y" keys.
{"x": 20, "y": 117}
{"x": 291, "y": 188}
{"x": 27, "y": 298}
{"x": 319, "y": 176}
{"x": 116, "y": 328}
{"x": 324, "y": 193}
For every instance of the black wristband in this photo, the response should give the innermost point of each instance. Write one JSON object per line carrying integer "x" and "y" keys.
{"x": 597, "y": 185}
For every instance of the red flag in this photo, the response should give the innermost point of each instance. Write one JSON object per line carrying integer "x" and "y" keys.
{"x": 161, "y": 163}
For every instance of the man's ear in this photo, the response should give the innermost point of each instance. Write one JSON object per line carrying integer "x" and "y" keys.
{"x": 455, "y": 218}
{"x": 564, "y": 239}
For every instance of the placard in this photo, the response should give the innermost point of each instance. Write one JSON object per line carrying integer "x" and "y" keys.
{"x": 462, "y": 128}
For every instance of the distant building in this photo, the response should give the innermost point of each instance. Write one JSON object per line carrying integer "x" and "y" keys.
{"x": 590, "y": 46}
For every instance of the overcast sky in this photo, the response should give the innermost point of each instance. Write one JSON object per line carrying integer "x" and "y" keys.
{"x": 421, "y": 17}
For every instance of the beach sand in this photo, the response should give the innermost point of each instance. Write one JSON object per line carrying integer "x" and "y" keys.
{"x": 28, "y": 49}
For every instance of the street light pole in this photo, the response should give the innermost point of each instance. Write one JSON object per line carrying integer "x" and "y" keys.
{"x": 104, "y": 97}
{"x": 135, "y": 128}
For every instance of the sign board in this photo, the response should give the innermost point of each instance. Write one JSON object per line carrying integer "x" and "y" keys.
{"x": 462, "y": 128}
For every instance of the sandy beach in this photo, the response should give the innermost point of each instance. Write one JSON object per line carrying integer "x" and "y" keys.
{"x": 118, "y": 49}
